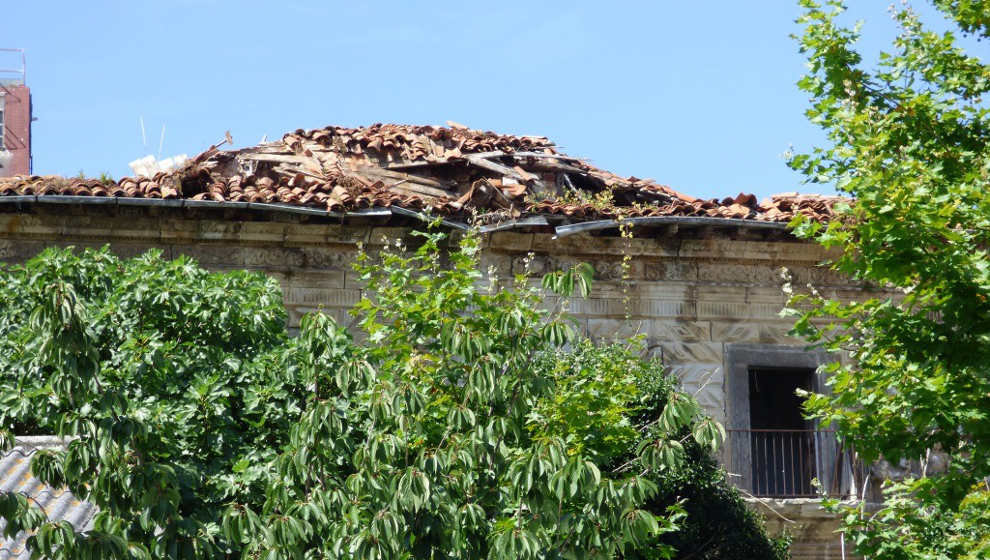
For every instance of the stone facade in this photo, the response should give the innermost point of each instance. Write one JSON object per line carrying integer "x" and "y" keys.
{"x": 692, "y": 294}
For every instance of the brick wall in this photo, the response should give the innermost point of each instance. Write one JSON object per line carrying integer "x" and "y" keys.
{"x": 16, "y": 105}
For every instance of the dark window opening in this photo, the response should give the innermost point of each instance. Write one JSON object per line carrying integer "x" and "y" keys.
{"x": 783, "y": 444}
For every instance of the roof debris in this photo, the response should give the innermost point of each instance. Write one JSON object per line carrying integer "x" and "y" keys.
{"x": 452, "y": 171}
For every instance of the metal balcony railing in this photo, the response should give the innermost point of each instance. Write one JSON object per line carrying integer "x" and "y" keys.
{"x": 787, "y": 463}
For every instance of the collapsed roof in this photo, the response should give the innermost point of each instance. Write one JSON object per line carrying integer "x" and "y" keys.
{"x": 454, "y": 171}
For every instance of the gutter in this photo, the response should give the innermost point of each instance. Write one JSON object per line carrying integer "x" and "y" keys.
{"x": 532, "y": 221}
{"x": 124, "y": 201}
{"x": 697, "y": 221}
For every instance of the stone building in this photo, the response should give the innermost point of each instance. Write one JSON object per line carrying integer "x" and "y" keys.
{"x": 701, "y": 280}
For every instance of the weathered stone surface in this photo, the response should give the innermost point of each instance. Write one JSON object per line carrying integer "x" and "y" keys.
{"x": 719, "y": 248}
{"x": 340, "y": 314}
{"x": 211, "y": 254}
{"x": 764, "y": 294}
{"x": 352, "y": 280}
{"x": 20, "y": 250}
{"x": 306, "y": 234}
{"x": 656, "y": 331}
{"x": 272, "y": 257}
{"x": 347, "y": 234}
{"x": 750, "y": 331}
{"x": 216, "y": 230}
{"x": 329, "y": 257}
{"x": 813, "y": 530}
{"x": 306, "y": 278}
{"x": 260, "y": 232}
{"x": 500, "y": 261}
{"x": 599, "y": 307}
{"x": 817, "y": 276}
{"x": 583, "y": 244}
{"x": 672, "y": 269}
{"x": 616, "y": 329}
{"x": 28, "y": 225}
{"x": 688, "y": 352}
{"x": 706, "y": 382}
{"x": 130, "y": 250}
{"x": 510, "y": 241}
{"x": 644, "y": 290}
{"x": 687, "y": 331}
{"x": 321, "y": 296}
{"x": 387, "y": 235}
{"x": 737, "y": 310}
{"x": 721, "y": 272}
{"x": 606, "y": 270}
{"x": 538, "y": 264}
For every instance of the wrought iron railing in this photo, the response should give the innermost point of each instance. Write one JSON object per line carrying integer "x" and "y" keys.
{"x": 791, "y": 463}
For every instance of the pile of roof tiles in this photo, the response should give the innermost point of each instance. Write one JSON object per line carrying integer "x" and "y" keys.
{"x": 450, "y": 170}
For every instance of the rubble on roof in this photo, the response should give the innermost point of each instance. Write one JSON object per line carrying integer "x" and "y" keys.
{"x": 453, "y": 170}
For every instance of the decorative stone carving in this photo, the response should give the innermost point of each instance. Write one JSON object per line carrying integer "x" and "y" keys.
{"x": 687, "y": 331}
{"x": 328, "y": 257}
{"x": 670, "y": 270}
{"x": 326, "y": 297}
{"x": 750, "y": 331}
{"x": 689, "y": 352}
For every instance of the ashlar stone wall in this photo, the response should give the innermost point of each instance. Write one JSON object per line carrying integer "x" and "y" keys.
{"x": 689, "y": 294}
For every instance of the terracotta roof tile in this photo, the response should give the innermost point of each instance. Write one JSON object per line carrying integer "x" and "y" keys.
{"x": 451, "y": 170}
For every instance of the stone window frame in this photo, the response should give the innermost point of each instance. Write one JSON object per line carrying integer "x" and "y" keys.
{"x": 739, "y": 358}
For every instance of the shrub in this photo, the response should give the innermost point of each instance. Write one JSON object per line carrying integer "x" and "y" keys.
{"x": 467, "y": 422}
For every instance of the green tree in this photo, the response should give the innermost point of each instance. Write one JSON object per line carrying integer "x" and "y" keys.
{"x": 466, "y": 420}
{"x": 908, "y": 141}
{"x": 442, "y": 437}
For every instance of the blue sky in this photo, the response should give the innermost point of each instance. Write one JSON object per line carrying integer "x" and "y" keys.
{"x": 696, "y": 95}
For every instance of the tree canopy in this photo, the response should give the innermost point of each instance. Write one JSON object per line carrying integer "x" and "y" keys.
{"x": 908, "y": 141}
{"x": 464, "y": 419}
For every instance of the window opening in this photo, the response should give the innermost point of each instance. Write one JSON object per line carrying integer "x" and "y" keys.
{"x": 784, "y": 446}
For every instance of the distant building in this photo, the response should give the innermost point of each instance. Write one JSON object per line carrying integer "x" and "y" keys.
{"x": 15, "y": 120}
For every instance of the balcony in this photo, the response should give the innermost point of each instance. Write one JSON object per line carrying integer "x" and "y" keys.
{"x": 770, "y": 463}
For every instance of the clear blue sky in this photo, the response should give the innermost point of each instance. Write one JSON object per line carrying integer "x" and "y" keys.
{"x": 697, "y": 95}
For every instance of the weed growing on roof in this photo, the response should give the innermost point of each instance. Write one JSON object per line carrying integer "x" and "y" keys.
{"x": 603, "y": 200}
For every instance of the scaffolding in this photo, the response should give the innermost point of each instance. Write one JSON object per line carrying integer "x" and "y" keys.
{"x": 12, "y": 76}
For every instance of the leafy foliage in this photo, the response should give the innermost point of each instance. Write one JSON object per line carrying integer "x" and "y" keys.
{"x": 466, "y": 421}
{"x": 423, "y": 439}
{"x": 156, "y": 369}
{"x": 909, "y": 141}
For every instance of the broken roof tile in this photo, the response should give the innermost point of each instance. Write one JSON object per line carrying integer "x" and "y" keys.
{"x": 422, "y": 167}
